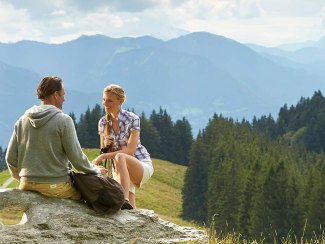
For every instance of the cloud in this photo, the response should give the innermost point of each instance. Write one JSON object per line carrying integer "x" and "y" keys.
{"x": 36, "y": 9}
{"x": 322, "y": 15}
{"x": 133, "y": 6}
{"x": 249, "y": 9}
{"x": 293, "y": 7}
{"x": 211, "y": 9}
{"x": 191, "y": 111}
{"x": 259, "y": 21}
{"x": 87, "y": 6}
{"x": 59, "y": 12}
{"x": 67, "y": 25}
{"x": 15, "y": 24}
{"x": 9, "y": 13}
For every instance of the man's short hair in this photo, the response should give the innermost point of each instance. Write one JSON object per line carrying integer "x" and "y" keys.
{"x": 48, "y": 86}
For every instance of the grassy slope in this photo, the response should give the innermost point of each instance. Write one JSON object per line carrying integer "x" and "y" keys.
{"x": 162, "y": 193}
{"x": 4, "y": 175}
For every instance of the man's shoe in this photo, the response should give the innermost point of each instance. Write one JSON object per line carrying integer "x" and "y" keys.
{"x": 126, "y": 205}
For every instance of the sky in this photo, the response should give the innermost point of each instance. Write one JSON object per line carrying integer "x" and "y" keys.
{"x": 264, "y": 22}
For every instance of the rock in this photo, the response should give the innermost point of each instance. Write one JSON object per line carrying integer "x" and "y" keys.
{"x": 50, "y": 220}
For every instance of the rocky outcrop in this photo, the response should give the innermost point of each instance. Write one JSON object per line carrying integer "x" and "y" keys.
{"x": 30, "y": 217}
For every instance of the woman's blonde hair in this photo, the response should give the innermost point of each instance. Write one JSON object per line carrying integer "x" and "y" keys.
{"x": 117, "y": 90}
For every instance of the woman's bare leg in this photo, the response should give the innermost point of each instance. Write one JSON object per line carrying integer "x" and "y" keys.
{"x": 132, "y": 199}
{"x": 128, "y": 168}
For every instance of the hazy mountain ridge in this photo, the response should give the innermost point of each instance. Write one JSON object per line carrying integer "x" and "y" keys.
{"x": 310, "y": 57}
{"x": 296, "y": 46}
{"x": 18, "y": 93}
{"x": 252, "y": 69}
{"x": 194, "y": 76}
{"x": 15, "y": 94}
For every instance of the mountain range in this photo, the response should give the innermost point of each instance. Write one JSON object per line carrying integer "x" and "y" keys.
{"x": 195, "y": 76}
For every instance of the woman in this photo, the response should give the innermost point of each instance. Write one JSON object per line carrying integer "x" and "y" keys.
{"x": 132, "y": 165}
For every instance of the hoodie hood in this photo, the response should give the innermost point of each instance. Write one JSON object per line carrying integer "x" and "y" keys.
{"x": 40, "y": 115}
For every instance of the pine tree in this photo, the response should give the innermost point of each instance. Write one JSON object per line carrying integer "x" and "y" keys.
{"x": 150, "y": 137}
{"x": 294, "y": 207}
{"x": 224, "y": 191}
{"x": 164, "y": 125}
{"x": 93, "y": 138}
{"x": 314, "y": 134}
{"x": 83, "y": 128}
{"x": 251, "y": 189}
{"x": 275, "y": 216}
{"x": 226, "y": 173}
{"x": 266, "y": 125}
{"x": 303, "y": 123}
{"x": 196, "y": 183}
{"x": 73, "y": 117}
{"x": 87, "y": 128}
{"x": 3, "y": 164}
{"x": 316, "y": 210}
{"x": 183, "y": 141}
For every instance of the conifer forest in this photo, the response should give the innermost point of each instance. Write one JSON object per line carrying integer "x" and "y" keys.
{"x": 261, "y": 178}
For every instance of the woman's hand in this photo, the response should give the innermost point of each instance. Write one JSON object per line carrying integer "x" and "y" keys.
{"x": 97, "y": 160}
{"x": 108, "y": 140}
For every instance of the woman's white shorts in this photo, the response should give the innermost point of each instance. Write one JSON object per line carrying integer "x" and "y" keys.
{"x": 147, "y": 173}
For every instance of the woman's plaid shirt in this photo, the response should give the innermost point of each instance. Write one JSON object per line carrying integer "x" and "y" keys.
{"x": 128, "y": 122}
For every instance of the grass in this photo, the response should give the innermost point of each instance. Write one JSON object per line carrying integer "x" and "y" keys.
{"x": 162, "y": 193}
{"x": 91, "y": 153}
{"x": 4, "y": 175}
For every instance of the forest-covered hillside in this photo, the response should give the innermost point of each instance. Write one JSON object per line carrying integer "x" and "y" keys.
{"x": 264, "y": 177}
{"x": 303, "y": 123}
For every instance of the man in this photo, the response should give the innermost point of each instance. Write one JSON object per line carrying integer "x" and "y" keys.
{"x": 44, "y": 143}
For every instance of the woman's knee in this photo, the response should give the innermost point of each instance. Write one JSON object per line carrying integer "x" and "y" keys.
{"x": 119, "y": 156}
{"x": 120, "y": 159}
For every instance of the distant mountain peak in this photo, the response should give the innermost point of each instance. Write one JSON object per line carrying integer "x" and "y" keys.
{"x": 91, "y": 37}
{"x": 204, "y": 38}
{"x": 320, "y": 43}
{"x": 200, "y": 35}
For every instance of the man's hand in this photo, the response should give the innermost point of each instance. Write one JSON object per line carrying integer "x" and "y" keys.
{"x": 103, "y": 171}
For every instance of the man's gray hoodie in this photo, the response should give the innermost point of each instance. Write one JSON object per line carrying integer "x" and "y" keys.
{"x": 43, "y": 142}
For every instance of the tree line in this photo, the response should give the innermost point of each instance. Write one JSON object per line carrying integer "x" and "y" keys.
{"x": 3, "y": 164}
{"x": 303, "y": 123}
{"x": 163, "y": 138}
{"x": 264, "y": 178}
